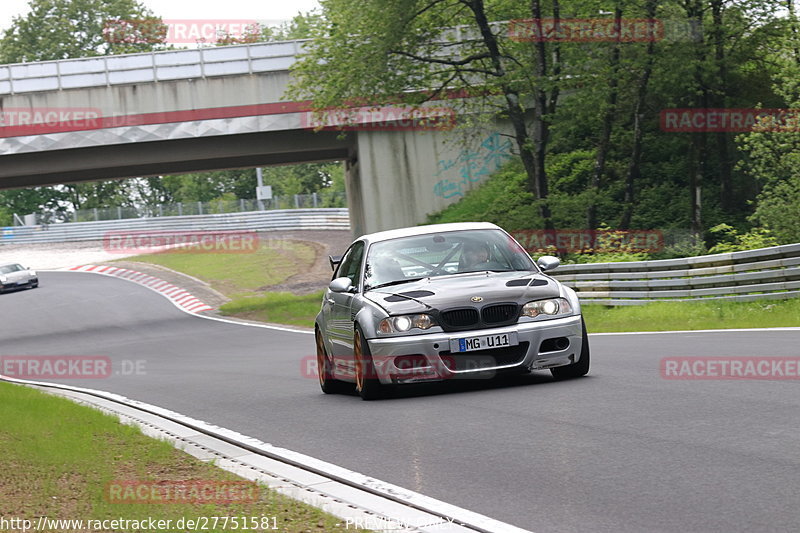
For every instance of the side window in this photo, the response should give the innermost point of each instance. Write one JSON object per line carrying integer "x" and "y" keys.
{"x": 344, "y": 264}
{"x": 351, "y": 263}
{"x": 354, "y": 268}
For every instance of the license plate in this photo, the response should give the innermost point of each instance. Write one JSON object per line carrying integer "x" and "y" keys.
{"x": 483, "y": 342}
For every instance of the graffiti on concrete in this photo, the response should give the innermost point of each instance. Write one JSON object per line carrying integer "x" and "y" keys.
{"x": 472, "y": 166}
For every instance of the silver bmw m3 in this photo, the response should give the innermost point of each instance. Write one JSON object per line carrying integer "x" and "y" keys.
{"x": 445, "y": 301}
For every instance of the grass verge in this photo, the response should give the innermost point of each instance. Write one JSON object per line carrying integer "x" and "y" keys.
{"x": 671, "y": 316}
{"x": 277, "y": 307}
{"x": 59, "y": 460}
{"x": 245, "y": 278}
{"x": 236, "y": 274}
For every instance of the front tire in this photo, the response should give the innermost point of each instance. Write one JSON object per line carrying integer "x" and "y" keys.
{"x": 575, "y": 370}
{"x": 368, "y": 385}
{"x": 327, "y": 382}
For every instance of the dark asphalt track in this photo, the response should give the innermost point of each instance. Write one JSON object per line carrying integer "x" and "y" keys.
{"x": 620, "y": 450}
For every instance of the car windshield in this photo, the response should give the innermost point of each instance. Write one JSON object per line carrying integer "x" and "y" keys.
{"x": 440, "y": 254}
{"x": 7, "y": 269}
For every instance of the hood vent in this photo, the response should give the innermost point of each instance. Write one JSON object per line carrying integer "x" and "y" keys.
{"x": 403, "y": 296}
{"x": 525, "y": 282}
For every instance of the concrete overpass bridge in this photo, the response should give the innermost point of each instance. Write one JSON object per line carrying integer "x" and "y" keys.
{"x": 216, "y": 108}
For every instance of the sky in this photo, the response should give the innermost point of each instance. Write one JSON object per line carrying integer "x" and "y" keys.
{"x": 264, "y": 10}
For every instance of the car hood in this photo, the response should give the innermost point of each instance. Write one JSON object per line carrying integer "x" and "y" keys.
{"x": 19, "y": 275}
{"x": 457, "y": 290}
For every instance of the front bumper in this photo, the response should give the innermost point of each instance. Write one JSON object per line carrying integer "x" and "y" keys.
{"x": 9, "y": 286}
{"x": 428, "y": 356}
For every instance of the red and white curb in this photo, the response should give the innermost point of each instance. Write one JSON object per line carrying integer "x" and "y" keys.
{"x": 181, "y": 298}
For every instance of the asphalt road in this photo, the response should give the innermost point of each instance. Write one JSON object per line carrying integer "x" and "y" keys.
{"x": 620, "y": 450}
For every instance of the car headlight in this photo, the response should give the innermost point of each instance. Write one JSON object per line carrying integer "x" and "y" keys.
{"x": 3, "y": 279}
{"x": 401, "y": 324}
{"x": 551, "y": 307}
{"x": 32, "y": 273}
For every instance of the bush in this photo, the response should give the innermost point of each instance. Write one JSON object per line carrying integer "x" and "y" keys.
{"x": 731, "y": 241}
{"x": 779, "y": 210}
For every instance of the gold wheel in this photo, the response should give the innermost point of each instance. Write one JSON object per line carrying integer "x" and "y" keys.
{"x": 359, "y": 357}
{"x": 322, "y": 363}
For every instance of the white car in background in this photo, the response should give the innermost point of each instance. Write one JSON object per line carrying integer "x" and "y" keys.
{"x": 14, "y": 276}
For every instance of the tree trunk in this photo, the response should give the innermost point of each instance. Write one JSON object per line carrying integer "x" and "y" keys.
{"x": 607, "y": 123}
{"x": 531, "y": 147}
{"x": 699, "y": 144}
{"x": 720, "y": 100}
{"x": 696, "y": 172}
{"x": 556, "y": 68}
{"x": 793, "y": 22}
{"x": 540, "y": 127}
{"x": 634, "y": 169}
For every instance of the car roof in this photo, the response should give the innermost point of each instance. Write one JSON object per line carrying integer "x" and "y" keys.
{"x": 426, "y": 230}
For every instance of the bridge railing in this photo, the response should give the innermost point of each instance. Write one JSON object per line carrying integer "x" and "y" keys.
{"x": 148, "y": 67}
{"x": 766, "y": 273}
{"x": 284, "y": 219}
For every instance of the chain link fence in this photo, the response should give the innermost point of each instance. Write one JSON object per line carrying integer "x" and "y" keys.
{"x": 297, "y": 201}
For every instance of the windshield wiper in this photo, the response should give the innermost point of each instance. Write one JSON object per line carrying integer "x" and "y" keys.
{"x": 396, "y": 282}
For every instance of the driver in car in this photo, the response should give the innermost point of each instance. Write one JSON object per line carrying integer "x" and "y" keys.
{"x": 475, "y": 257}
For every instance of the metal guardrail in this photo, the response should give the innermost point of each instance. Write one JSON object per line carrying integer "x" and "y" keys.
{"x": 147, "y": 67}
{"x": 288, "y": 219}
{"x": 766, "y": 273}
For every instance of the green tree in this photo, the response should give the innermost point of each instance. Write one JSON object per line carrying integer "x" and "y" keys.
{"x": 26, "y": 201}
{"x": 62, "y": 29}
{"x": 98, "y": 194}
{"x": 304, "y": 178}
{"x": 300, "y": 27}
{"x": 286, "y": 180}
{"x": 400, "y": 52}
{"x": 773, "y": 148}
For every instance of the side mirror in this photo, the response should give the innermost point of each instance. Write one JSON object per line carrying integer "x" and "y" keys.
{"x": 342, "y": 284}
{"x": 548, "y": 262}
